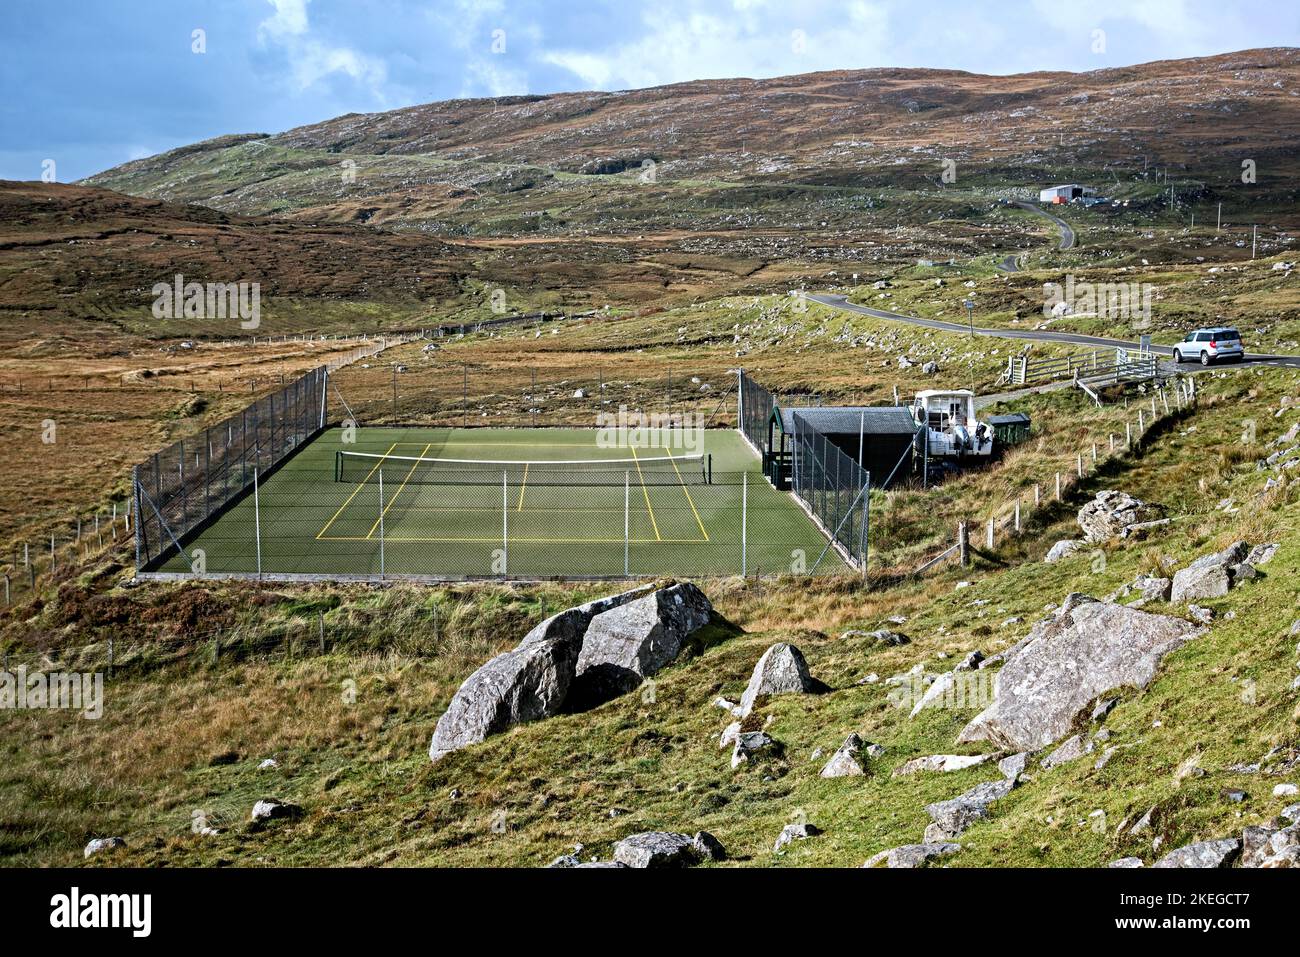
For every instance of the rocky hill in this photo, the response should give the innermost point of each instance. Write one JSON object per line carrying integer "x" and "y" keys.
{"x": 481, "y": 164}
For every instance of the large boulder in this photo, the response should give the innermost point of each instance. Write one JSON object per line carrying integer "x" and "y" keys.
{"x": 1111, "y": 512}
{"x": 656, "y": 849}
{"x": 1207, "y": 854}
{"x": 1087, "y": 649}
{"x": 1271, "y": 846}
{"x": 781, "y": 670}
{"x": 1212, "y": 576}
{"x": 631, "y": 642}
{"x": 525, "y": 684}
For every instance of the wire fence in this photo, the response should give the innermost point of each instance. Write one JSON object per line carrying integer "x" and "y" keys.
{"x": 187, "y": 483}
{"x": 834, "y": 488}
{"x": 427, "y": 390}
{"x": 394, "y": 520}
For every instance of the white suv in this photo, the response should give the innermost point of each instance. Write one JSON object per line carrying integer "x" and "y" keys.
{"x": 1207, "y": 345}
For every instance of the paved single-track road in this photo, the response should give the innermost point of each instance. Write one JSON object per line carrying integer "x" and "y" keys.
{"x": 836, "y": 301}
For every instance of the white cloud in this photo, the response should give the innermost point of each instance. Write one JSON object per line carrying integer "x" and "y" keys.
{"x": 312, "y": 60}
{"x": 752, "y": 38}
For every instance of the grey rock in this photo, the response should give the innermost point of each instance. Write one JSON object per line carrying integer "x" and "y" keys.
{"x": 1271, "y": 847}
{"x": 886, "y": 637}
{"x": 633, "y": 641}
{"x": 748, "y": 745}
{"x": 1127, "y": 862}
{"x": 1203, "y": 615}
{"x": 730, "y": 734}
{"x": 1143, "y": 823}
{"x": 942, "y": 763}
{"x": 655, "y": 849}
{"x": 781, "y": 670}
{"x": 1291, "y": 813}
{"x": 565, "y": 860}
{"x": 951, "y": 818}
{"x": 1204, "y": 854}
{"x": 273, "y": 809}
{"x": 1104, "y": 760}
{"x": 1153, "y": 589}
{"x": 1111, "y": 512}
{"x": 912, "y": 855}
{"x": 1205, "y": 582}
{"x": 1063, "y": 549}
{"x": 1104, "y": 708}
{"x": 526, "y": 684}
{"x": 1261, "y": 554}
{"x": 103, "y": 844}
{"x": 845, "y": 762}
{"x": 707, "y": 847}
{"x": 1086, "y": 650}
{"x": 794, "y": 832}
{"x": 1071, "y": 749}
{"x": 1014, "y": 765}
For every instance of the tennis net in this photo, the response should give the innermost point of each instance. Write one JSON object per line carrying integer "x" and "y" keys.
{"x": 360, "y": 467}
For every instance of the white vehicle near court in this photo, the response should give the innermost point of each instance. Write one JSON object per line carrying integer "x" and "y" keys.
{"x": 951, "y": 425}
{"x": 1210, "y": 345}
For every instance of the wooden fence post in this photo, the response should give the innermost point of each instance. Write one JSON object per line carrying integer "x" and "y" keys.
{"x": 1128, "y": 435}
{"x": 963, "y": 544}
{"x": 110, "y": 657}
{"x": 992, "y": 526}
{"x": 321, "y": 623}
{"x": 1079, "y": 464}
{"x": 1058, "y": 486}
{"x": 1017, "y": 514}
{"x": 1038, "y": 494}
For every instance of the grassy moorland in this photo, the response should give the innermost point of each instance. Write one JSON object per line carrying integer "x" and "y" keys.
{"x": 183, "y": 733}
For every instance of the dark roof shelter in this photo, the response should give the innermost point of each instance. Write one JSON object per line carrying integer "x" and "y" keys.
{"x": 882, "y": 434}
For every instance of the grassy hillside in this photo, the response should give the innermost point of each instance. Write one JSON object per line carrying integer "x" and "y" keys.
{"x": 349, "y": 728}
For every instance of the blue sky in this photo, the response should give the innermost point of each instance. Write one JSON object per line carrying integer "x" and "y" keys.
{"x": 93, "y": 83}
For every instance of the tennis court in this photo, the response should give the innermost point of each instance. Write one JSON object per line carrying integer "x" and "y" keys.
{"x": 515, "y": 503}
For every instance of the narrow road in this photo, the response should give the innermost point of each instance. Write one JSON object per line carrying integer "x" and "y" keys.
{"x": 838, "y": 301}
{"x": 1068, "y": 238}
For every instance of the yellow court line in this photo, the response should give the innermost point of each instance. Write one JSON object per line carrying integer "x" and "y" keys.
{"x": 349, "y": 499}
{"x": 699, "y": 521}
{"x": 523, "y": 485}
{"x": 646, "y": 492}
{"x": 384, "y": 512}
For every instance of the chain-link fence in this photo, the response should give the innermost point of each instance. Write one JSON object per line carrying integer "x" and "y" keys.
{"x": 425, "y": 389}
{"x": 834, "y": 488}
{"x": 189, "y": 482}
{"x": 755, "y": 414}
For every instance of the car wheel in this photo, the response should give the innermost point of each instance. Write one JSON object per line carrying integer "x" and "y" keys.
{"x": 1205, "y": 358}
{"x": 1178, "y": 356}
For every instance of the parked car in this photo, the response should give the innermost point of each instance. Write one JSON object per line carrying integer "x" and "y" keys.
{"x": 1210, "y": 344}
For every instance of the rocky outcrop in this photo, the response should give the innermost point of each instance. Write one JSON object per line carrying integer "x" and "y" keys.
{"x": 656, "y": 849}
{"x": 1087, "y": 649}
{"x": 781, "y": 670}
{"x": 1271, "y": 847}
{"x": 534, "y": 680}
{"x": 847, "y": 761}
{"x": 951, "y": 818}
{"x": 1112, "y": 512}
{"x": 633, "y": 641}
{"x": 912, "y": 855}
{"x": 1213, "y": 576}
{"x": 1203, "y": 854}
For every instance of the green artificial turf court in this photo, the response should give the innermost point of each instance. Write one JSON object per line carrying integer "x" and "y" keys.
{"x": 567, "y": 507}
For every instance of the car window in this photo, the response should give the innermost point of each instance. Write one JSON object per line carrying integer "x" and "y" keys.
{"x": 1230, "y": 335}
